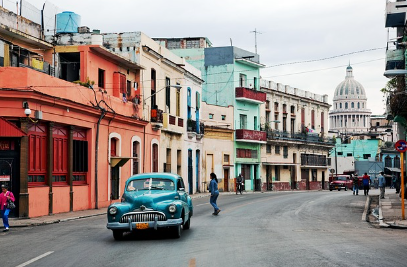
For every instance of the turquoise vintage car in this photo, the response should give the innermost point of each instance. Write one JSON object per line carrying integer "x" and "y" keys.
{"x": 151, "y": 201}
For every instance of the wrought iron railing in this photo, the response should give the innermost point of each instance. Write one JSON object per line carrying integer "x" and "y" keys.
{"x": 298, "y": 136}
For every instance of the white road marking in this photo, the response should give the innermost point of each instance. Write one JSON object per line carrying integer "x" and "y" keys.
{"x": 35, "y": 259}
{"x": 202, "y": 204}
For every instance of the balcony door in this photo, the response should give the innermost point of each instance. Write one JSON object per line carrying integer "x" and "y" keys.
{"x": 243, "y": 121}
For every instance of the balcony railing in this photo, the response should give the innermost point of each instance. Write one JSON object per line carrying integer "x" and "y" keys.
{"x": 156, "y": 115}
{"x": 299, "y": 137}
{"x": 194, "y": 127}
{"x": 251, "y": 135}
{"x": 394, "y": 59}
{"x": 314, "y": 160}
{"x": 246, "y": 94}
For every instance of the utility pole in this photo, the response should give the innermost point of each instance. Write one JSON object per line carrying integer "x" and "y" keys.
{"x": 255, "y": 39}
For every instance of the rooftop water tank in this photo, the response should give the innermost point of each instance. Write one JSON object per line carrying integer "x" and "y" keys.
{"x": 68, "y": 22}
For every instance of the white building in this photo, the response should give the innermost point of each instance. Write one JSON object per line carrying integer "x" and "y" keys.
{"x": 349, "y": 112}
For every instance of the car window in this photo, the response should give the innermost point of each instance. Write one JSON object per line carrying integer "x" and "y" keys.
{"x": 151, "y": 184}
{"x": 341, "y": 178}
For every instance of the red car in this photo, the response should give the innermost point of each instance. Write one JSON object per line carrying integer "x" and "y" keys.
{"x": 341, "y": 182}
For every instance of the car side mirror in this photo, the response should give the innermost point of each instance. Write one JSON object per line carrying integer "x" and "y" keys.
{"x": 181, "y": 189}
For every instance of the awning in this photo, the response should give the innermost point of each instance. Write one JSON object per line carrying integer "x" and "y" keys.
{"x": 7, "y": 129}
{"x": 120, "y": 161}
{"x": 393, "y": 169}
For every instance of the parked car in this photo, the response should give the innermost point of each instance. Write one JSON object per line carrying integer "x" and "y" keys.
{"x": 341, "y": 182}
{"x": 151, "y": 201}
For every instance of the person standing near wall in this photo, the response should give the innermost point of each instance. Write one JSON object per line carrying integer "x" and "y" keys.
{"x": 355, "y": 184}
{"x": 366, "y": 183}
{"x": 382, "y": 184}
{"x": 4, "y": 196}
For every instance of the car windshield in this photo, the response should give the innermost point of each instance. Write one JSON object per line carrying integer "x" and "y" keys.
{"x": 151, "y": 184}
{"x": 341, "y": 178}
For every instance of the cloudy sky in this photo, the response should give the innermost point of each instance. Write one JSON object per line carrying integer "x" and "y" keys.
{"x": 292, "y": 31}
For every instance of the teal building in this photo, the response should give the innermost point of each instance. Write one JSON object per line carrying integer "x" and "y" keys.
{"x": 231, "y": 78}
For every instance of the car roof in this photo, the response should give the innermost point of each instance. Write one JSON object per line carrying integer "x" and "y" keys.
{"x": 166, "y": 175}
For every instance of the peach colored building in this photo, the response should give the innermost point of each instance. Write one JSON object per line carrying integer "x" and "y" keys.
{"x": 81, "y": 141}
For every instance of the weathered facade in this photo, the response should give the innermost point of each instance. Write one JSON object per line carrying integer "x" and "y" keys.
{"x": 297, "y": 149}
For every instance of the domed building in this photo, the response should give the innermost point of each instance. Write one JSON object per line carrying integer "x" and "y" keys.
{"x": 349, "y": 112}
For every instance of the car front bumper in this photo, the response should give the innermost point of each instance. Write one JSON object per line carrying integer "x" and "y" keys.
{"x": 130, "y": 226}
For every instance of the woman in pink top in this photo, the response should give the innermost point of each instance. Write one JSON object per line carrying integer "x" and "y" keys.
{"x": 4, "y": 196}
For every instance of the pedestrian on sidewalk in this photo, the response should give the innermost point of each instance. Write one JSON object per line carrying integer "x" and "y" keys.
{"x": 213, "y": 188}
{"x": 4, "y": 196}
{"x": 382, "y": 183}
{"x": 366, "y": 183}
{"x": 355, "y": 184}
{"x": 396, "y": 182}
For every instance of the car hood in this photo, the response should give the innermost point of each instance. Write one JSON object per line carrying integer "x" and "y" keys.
{"x": 150, "y": 198}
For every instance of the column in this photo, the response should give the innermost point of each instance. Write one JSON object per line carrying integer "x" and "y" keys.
{"x": 50, "y": 164}
{"x": 70, "y": 167}
{"x": 23, "y": 207}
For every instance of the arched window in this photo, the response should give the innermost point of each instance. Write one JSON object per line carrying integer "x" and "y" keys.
{"x": 358, "y": 104}
{"x": 346, "y": 105}
{"x": 155, "y": 158}
{"x": 388, "y": 162}
{"x": 340, "y": 105}
{"x": 136, "y": 154}
{"x": 336, "y": 106}
{"x": 363, "y": 105}
{"x": 396, "y": 162}
{"x": 352, "y": 105}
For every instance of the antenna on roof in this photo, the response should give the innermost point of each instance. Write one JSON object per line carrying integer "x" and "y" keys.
{"x": 255, "y": 39}
{"x": 231, "y": 42}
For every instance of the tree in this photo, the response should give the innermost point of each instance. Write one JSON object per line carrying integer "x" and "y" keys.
{"x": 396, "y": 96}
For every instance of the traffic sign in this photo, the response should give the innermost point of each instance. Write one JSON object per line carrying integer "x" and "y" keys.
{"x": 401, "y": 146}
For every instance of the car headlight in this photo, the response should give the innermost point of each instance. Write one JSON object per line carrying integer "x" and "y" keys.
{"x": 172, "y": 208}
{"x": 112, "y": 210}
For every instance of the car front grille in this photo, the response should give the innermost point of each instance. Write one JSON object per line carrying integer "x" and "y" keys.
{"x": 143, "y": 217}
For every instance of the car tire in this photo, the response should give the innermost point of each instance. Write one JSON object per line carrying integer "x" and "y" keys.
{"x": 346, "y": 189}
{"x": 339, "y": 189}
{"x": 330, "y": 189}
{"x": 118, "y": 235}
{"x": 187, "y": 224}
{"x": 176, "y": 231}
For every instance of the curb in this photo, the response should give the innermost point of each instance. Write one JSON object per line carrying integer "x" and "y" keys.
{"x": 382, "y": 224}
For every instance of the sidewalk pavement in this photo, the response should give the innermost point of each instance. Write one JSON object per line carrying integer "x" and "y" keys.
{"x": 390, "y": 210}
{"x": 69, "y": 216}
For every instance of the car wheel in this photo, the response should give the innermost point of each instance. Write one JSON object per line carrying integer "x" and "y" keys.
{"x": 187, "y": 224}
{"x": 118, "y": 235}
{"x": 346, "y": 189}
{"x": 176, "y": 231}
{"x": 330, "y": 189}
{"x": 339, "y": 189}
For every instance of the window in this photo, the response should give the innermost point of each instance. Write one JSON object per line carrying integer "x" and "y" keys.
{"x": 349, "y": 154}
{"x": 153, "y": 89}
{"x": 396, "y": 162}
{"x": 60, "y": 155}
{"x": 80, "y": 157}
{"x": 223, "y": 117}
{"x": 179, "y": 162}
{"x": 292, "y": 109}
{"x": 275, "y": 106}
{"x": 246, "y": 153}
{"x": 340, "y": 153}
{"x": 178, "y": 102}
{"x": 168, "y": 93}
{"x": 268, "y": 149}
{"x": 366, "y": 156}
{"x": 340, "y": 105}
{"x": 243, "y": 121}
{"x": 314, "y": 175}
{"x": 210, "y": 116}
{"x": 358, "y": 105}
{"x": 128, "y": 88}
{"x": 377, "y": 123}
{"x": 255, "y": 123}
{"x": 388, "y": 162}
{"x": 226, "y": 158}
{"x": 155, "y": 158}
{"x": 136, "y": 154}
{"x": 37, "y": 154}
{"x": 242, "y": 80}
{"x": 255, "y": 83}
{"x": 346, "y": 105}
{"x": 101, "y": 78}
{"x": 352, "y": 105}
{"x": 167, "y": 165}
{"x": 285, "y": 152}
{"x": 123, "y": 85}
{"x": 313, "y": 119}
{"x": 277, "y": 149}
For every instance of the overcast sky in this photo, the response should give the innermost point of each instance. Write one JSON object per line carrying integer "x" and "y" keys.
{"x": 292, "y": 31}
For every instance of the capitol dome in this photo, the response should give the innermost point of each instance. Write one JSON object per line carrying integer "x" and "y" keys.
{"x": 349, "y": 112}
{"x": 350, "y": 88}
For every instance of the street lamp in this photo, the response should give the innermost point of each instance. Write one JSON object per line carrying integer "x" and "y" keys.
{"x": 175, "y": 86}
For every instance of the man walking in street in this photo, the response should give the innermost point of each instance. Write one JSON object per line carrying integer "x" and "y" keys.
{"x": 382, "y": 184}
{"x": 366, "y": 183}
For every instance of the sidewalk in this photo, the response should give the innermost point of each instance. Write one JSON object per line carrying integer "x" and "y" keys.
{"x": 390, "y": 210}
{"x": 69, "y": 216}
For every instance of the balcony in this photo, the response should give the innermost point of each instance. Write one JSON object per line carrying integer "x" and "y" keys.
{"x": 250, "y": 95}
{"x": 252, "y": 136}
{"x": 314, "y": 160}
{"x": 195, "y": 129}
{"x": 173, "y": 124}
{"x": 394, "y": 59}
{"x": 299, "y": 137}
{"x": 157, "y": 118}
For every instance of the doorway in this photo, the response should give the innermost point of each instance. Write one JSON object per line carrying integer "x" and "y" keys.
{"x": 190, "y": 172}
{"x": 305, "y": 176}
{"x": 226, "y": 179}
